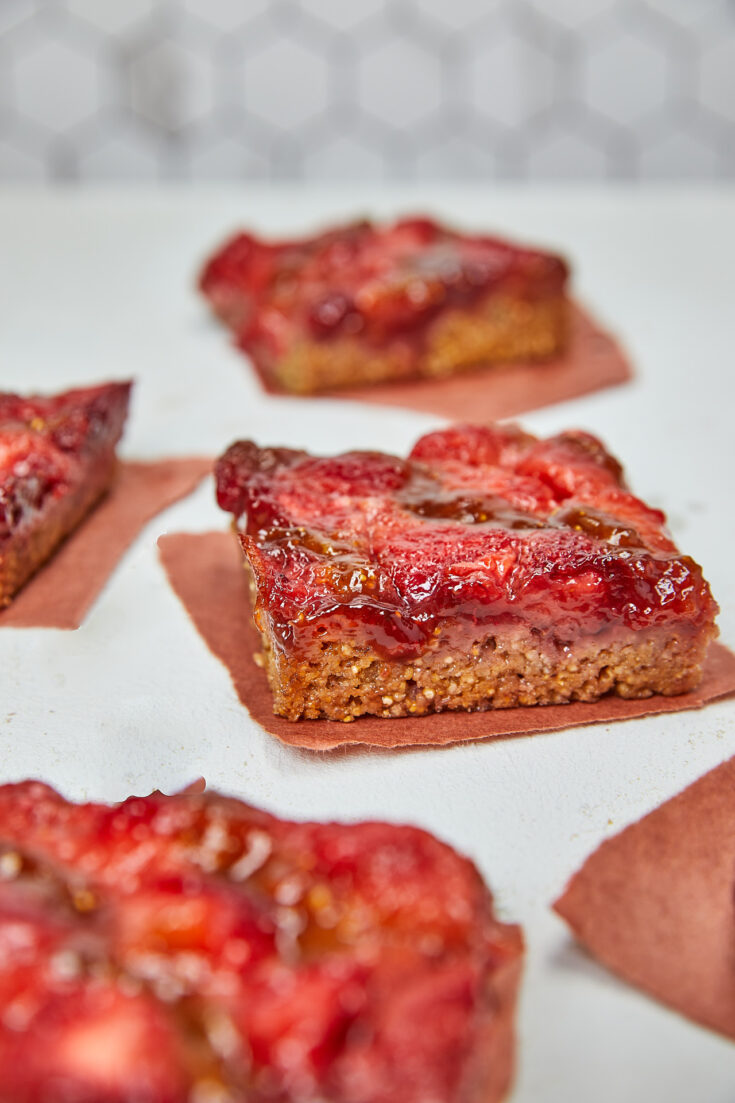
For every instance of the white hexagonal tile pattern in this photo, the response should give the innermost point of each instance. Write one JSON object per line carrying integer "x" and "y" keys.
{"x": 692, "y": 14}
{"x": 13, "y": 12}
{"x": 285, "y": 83}
{"x": 112, "y": 16}
{"x": 346, "y": 89}
{"x": 679, "y": 155}
{"x": 170, "y": 85}
{"x": 561, "y": 155}
{"x": 343, "y": 14}
{"x": 226, "y": 15}
{"x": 400, "y": 82}
{"x": 717, "y": 79}
{"x": 16, "y": 164}
{"x": 344, "y": 158}
{"x": 457, "y": 14}
{"x": 122, "y": 157}
{"x": 56, "y": 85}
{"x": 510, "y": 79}
{"x": 227, "y": 159}
{"x": 458, "y": 158}
{"x": 573, "y": 13}
{"x": 626, "y": 77}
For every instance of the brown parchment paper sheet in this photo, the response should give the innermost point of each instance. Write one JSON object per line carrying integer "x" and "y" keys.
{"x": 656, "y": 903}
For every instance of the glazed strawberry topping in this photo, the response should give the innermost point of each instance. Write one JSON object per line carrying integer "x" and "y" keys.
{"x": 178, "y": 949}
{"x": 46, "y": 443}
{"x": 377, "y": 282}
{"x": 482, "y": 524}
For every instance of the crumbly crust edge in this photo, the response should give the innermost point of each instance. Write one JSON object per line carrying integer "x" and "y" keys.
{"x": 26, "y": 551}
{"x": 490, "y": 668}
{"x": 500, "y": 329}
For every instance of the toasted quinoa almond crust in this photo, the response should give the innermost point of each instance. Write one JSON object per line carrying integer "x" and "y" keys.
{"x": 368, "y": 304}
{"x": 500, "y": 329}
{"x": 488, "y": 570}
{"x": 178, "y": 949}
{"x": 57, "y": 459}
{"x": 503, "y": 670}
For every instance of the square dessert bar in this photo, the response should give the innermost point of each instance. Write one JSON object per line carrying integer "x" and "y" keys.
{"x": 366, "y": 303}
{"x": 489, "y": 569}
{"x": 57, "y": 459}
{"x": 192, "y": 949}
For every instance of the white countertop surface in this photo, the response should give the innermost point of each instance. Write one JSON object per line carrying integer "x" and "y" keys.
{"x": 97, "y": 285}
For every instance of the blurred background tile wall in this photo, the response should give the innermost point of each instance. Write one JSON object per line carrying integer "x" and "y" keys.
{"x": 381, "y": 89}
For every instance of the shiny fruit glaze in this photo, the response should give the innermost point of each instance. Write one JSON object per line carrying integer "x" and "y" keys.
{"x": 45, "y": 441}
{"x": 366, "y": 281}
{"x": 486, "y": 525}
{"x": 176, "y": 949}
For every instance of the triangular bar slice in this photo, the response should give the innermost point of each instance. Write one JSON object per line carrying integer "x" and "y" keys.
{"x": 57, "y": 459}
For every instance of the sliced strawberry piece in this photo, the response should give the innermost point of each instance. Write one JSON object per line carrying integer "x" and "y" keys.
{"x": 414, "y": 1043}
{"x": 296, "y": 1023}
{"x": 94, "y": 1044}
{"x": 32, "y": 469}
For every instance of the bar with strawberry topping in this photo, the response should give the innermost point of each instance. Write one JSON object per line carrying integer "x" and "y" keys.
{"x": 488, "y": 569}
{"x": 57, "y": 459}
{"x": 193, "y": 949}
{"x": 366, "y": 303}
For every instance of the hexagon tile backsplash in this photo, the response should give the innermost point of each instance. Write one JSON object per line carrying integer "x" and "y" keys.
{"x": 346, "y": 89}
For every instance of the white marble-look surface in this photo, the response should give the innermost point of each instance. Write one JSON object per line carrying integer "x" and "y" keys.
{"x": 100, "y": 285}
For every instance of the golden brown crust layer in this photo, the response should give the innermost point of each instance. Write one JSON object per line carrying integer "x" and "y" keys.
{"x": 502, "y": 328}
{"x": 500, "y": 669}
{"x": 27, "y": 550}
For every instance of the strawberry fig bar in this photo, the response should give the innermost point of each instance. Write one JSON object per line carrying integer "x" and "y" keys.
{"x": 57, "y": 459}
{"x": 487, "y": 570}
{"x": 192, "y": 949}
{"x": 366, "y": 303}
